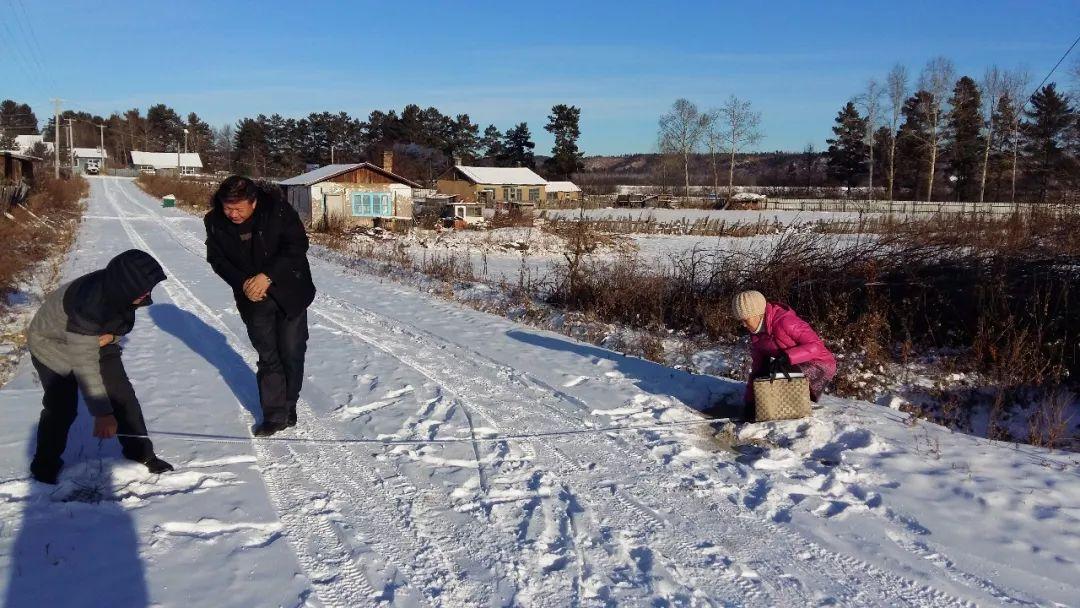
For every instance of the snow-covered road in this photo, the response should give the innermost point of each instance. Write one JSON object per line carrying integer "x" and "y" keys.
{"x": 483, "y": 474}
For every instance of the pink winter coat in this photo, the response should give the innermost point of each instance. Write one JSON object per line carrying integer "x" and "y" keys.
{"x": 785, "y": 332}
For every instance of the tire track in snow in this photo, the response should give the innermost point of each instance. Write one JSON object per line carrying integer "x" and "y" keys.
{"x": 313, "y": 540}
{"x": 834, "y": 558}
{"x": 843, "y": 567}
{"x": 409, "y": 547}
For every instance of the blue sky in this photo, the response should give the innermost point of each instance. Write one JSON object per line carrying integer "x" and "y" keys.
{"x": 623, "y": 63}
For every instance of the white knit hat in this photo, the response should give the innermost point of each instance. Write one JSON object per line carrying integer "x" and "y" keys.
{"x": 748, "y": 304}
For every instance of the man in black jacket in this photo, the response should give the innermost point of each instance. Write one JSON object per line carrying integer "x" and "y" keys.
{"x": 74, "y": 345}
{"x": 256, "y": 242}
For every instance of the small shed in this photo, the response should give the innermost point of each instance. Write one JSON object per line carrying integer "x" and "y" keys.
{"x": 81, "y": 157}
{"x": 16, "y": 177}
{"x": 561, "y": 192}
{"x": 362, "y": 194}
{"x": 188, "y": 163}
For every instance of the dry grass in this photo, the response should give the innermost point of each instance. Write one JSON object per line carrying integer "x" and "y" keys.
{"x": 192, "y": 193}
{"x": 512, "y": 218}
{"x": 43, "y": 226}
{"x": 996, "y": 291}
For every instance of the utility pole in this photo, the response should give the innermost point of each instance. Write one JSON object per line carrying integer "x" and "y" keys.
{"x": 331, "y": 154}
{"x": 101, "y": 130}
{"x": 71, "y": 144}
{"x": 56, "y": 137}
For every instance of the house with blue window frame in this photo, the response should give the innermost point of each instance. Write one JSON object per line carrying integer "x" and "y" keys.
{"x": 360, "y": 194}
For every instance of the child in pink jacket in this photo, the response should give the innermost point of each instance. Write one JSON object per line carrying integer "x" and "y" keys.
{"x": 776, "y": 332}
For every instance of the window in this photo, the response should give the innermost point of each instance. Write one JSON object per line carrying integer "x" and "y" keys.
{"x": 552, "y": 197}
{"x": 372, "y": 204}
{"x": 534, "y": 194}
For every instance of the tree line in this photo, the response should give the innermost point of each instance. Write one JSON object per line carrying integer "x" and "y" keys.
{"x": 424, "y": 140}
{"x": 951, "y": 136}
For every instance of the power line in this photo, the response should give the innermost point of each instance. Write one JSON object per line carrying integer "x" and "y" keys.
{"x": 1052, "y": 70}
{"x": 17, "y": 53}
{"x": 28, "y": 29}
{"x": 28, "y": 46}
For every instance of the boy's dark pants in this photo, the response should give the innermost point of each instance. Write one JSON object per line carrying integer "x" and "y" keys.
{"x": 60, "y": 408}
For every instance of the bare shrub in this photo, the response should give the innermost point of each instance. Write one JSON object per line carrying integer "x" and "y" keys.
{"x": 192, "y": 193}
{"x": 42, "y": 226}
{"x": 514, "y": 217}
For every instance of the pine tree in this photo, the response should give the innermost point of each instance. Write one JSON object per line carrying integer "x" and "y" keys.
{"x": 491, "y": 142}
{"x": 250, "y": 146}
{"x": 1048, "y": 123}
{"x": 965, "y": 144}
{"x": 563, "y": 123}
{"x": 463, "y": 138}
{"x": 17, "y": 118}
{"x": 1002, "y": 158}
{"x": 517, "y": 148}
{"x": 912, "y": 144}
{"x": 847, "y": 152}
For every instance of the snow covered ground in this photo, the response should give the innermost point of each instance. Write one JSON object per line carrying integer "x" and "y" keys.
{"x": 691, "y": 215}
{"x": 445, "y": 457}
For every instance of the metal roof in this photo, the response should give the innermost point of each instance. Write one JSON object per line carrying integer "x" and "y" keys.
{"x": 165, "y": 160}
{"x": 329, "y": 172}
{"x": 18, "y": 156}
{"x": 513, "y": 176}
{"x": 562, "y": 187}
{"x": 90, "y": 153}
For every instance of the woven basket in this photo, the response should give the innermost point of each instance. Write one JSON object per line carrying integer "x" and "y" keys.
{"x": 781, "y": 398}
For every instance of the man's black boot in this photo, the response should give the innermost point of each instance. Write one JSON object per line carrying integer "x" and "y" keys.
{"x": 44, "y": 472}
{"x": 156, "y": 465}
{"x": 267, "y": 428}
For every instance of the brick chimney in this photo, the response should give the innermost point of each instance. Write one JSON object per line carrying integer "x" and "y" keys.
{"x": 388, "y": 161}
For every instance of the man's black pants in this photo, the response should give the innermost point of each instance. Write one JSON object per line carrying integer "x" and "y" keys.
{"x": 281, "y": 342}
{"x": 61, "y": 407}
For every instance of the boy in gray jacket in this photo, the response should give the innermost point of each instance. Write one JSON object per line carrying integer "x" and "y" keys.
{"x": 74, "y": 344}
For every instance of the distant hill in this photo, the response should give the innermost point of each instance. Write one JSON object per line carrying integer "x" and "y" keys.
{"x": 764, "y": 168}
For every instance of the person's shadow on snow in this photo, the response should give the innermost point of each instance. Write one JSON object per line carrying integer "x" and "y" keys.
{"x": 210, "y": 344}
{"x": 719, "y": 397}
{"x": 76, "y": 543}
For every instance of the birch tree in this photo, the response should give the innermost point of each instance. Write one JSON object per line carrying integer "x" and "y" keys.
{"x": 870, "y": 102}
{"x": 739, "y": 127}
{"x": 1016, "y": 89}
{"x": 936, "y": 79}
{"x": 897, "y": 91}
{"x": 993, "y": 85}
{"x": 681, "y": 131}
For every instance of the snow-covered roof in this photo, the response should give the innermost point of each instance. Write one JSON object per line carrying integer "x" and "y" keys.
{"x": 165, "y": 160}
{"x": 319, "y": 175}
{"x": 514, "y": 176}
{"x": 15, "y": 154}
{"x": 90, "y": 153}
{"x": 562, "y": 187}
{"x": 328, "y": 172}
{"x": 748, "y": 196}
{"x": 25, "y": 142}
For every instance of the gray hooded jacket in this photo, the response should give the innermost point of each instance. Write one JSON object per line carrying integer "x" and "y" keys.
{"x": 63, "y": 336}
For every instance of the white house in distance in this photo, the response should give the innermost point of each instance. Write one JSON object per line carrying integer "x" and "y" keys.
{"x": 189, "y": 162}
{"x": 361, "y": 194}
{"x": 493, "y": 184}
{"x": 80, "y": 157}
{"x": 26, "y": 143}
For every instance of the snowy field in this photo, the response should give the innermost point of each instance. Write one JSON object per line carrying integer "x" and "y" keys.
{"x": 445, "y": 457}
{"x": 691, "y": 215}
